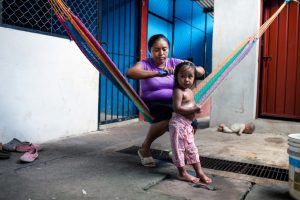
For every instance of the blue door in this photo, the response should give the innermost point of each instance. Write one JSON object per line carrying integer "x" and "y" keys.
{"x": 119, "y": 37}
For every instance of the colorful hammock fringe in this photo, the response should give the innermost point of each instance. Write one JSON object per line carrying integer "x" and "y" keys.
{"x": 205, "y": 92}
{"x": 98, "y": 57}
{"x": 96, "y": 54}
{"x": 206, "y": 88}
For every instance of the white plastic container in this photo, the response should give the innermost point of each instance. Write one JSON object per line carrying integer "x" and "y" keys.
{"x": 294, "y": 165}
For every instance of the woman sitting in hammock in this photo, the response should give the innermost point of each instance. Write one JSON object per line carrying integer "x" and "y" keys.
{"x": 157, "y": 80}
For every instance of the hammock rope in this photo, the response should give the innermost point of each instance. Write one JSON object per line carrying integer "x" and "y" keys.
{"x": 99, "y": 58}
{"x": 209, "y": 85}
{"x": 96, "y": 54}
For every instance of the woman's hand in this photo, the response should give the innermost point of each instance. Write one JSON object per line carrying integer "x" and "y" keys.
{"x": 165, "y": 72}
{"x": 162, "y": 73}
{"x": 200, "y": 71}
{"x": 169, "y": 70}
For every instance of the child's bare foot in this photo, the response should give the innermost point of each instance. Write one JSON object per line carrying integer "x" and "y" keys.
{"x": 204, "y": 179}
{"x": 189, "y": 178}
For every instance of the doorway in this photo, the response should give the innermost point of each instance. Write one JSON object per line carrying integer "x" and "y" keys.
{"x": 280, "y": 64}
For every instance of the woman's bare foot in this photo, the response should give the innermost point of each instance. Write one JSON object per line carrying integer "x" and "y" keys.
{"x": 189, "y": 178}
{"x": 204, "y": 179}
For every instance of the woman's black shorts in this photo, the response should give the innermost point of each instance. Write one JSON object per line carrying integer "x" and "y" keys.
{"x": 160, "y": 110}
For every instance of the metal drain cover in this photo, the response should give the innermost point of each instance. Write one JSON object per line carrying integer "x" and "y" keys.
{"x": 223, "y": 165}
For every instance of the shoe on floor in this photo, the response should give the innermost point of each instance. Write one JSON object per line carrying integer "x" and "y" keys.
{"x": 30, "y": 156}
{"x": 146, "y": 161}
{"x": 27, "y": 147}
{"x": 4, "y": 154}
{"x": 11, "y": 146}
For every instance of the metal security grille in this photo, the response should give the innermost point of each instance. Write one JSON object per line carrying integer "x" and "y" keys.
{"x": 119, "y": 36}
{"x": 225, "y": 165}
{"x": 37, "y": 15}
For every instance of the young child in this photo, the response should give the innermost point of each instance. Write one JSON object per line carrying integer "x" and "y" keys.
{"x": 180, "y": 128}
{"x": 237, "y": 128}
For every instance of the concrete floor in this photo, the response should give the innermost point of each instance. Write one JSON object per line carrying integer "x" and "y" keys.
{"x": 90, "y": 167}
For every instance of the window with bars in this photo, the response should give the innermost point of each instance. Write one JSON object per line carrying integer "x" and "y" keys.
{"x": 37, "y": 15}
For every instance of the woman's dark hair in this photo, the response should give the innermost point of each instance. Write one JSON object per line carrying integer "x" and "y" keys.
{"x": 185, "y": 64}
{"x": 155, "y": 38}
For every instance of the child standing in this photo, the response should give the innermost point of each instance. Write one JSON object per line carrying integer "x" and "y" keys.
{"x": 180, "y": 128}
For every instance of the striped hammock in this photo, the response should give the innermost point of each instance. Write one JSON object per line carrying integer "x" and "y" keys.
{"x": 96, "y": 54}
{"x": 101, "y": 61}
{"x": 205, "y": 89}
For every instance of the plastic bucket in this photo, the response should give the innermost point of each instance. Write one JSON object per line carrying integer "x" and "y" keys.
{"x": 294, "y": 144}
{"x": 294, "y": 165}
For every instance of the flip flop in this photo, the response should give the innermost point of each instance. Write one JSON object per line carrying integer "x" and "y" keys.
{"x": 30, "y": 156}
{"x": 4, "y": 154}
{"x": 11, "y": 145}
{"x": 146, "y": 161}
{"x": 27, "y": 147}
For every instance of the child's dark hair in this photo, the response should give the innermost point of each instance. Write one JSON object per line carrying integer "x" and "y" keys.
{"x": 181, "y": 65}
{"x": 251, "y": 127}
{"x": 155, "y": 38}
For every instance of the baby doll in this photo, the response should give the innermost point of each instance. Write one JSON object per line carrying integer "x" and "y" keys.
{"x": 237, "y": 128}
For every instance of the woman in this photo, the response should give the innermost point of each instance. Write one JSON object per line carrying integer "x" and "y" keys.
{"x": 157, "y": 80}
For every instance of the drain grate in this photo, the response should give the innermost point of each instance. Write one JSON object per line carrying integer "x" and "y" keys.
{"x": 224, "y": 165}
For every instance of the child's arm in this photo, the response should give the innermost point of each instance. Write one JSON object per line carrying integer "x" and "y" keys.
{"x": 177, "y": 104}
{"x": 242, "y": 130}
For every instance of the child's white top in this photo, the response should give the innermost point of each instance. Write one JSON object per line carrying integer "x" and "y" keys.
{"x": 238, "y": 127}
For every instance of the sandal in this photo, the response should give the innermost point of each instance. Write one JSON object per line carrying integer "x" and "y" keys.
{"x": 146, "y": 161}
{"x": 4, "y": 154}
{"x": 11, "y": 146}
{"x": 30, "y": 156}
{"x": 27, "y": 147}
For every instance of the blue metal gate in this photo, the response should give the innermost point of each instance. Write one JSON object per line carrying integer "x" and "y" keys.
{"x": 119, "y": 36}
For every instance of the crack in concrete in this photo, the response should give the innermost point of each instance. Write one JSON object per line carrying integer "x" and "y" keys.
{"x": 248, "y": 191}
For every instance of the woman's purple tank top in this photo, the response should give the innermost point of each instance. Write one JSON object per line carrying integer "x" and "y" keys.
{"x": 158, "y": 88}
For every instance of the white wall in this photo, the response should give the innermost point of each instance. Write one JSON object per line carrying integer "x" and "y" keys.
{"x": 235, "y": 99}
{"x": 48, "y": 89}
